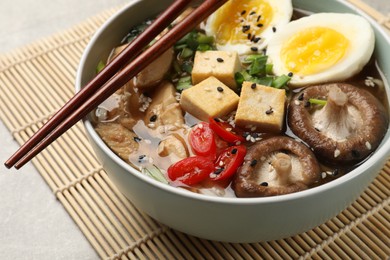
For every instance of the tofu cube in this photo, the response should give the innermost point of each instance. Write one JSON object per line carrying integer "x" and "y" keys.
{"x": 261, "y": 107}
{"x": 209, "y": 98}
{"x": 220, "y": 64}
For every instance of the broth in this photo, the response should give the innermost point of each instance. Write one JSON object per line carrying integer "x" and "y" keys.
{"x": 148, "y": 138}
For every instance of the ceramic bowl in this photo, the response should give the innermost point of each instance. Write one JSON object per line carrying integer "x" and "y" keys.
{"x": 229, "y": 219}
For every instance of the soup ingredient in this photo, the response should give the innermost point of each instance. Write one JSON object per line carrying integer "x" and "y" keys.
{"x": 246, "y": 26}
{"x": 261, "y": 107}
{"x": 221, "y": 64}
{"x": 155, "y": 173}
{"x": 209, "y": 98}
{"x": 322, "y": 47}
{"x": 202, "y": 140}
{"x": 154, "y": 73}
{"x": 225, "y": 131}
{"x": 259, "y": 71}
{"x": 228, "y": 162}
{"x": 120, "y": 139}
{"x": 164, "y": 111}
{"x": 276, "y": 166}
{"x": 191, "y": 170}
{"x": 173, "y": 146}
{"x": 345, "y": 130}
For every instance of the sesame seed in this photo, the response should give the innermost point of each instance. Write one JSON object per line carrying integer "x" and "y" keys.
{"x": 256, "y": 39}
{"x": 249, "y": 36}
{"x": 243, "y": 12}
{"x": 218, "y": 171}
{"x": 274, "y": 29}
{"x": 137, "y": 139}
{"x": 269, "y": 111}
{"x": 296, "y": 102}
{"x": 265, "y": 184}
{"x": 335, "y": 172}
{"x": 153, "y": 118}
{"x": 307, "y": 104}
{"x": 252, "y": 13}
{"x": 234, "y": 151}
{"x": 207, "y": 89}
{"x": 220, "y": 163}
{"x": 355, "y": 153}
{"x": 260, "y": 25}
{"x": 220, "y": 89}
{"x": 300, "y": 97}
{"x": 219, "y": 59}
{"x": 258, "y": 18}
{"x": 246, "y": 28}
{"x": 336, "y": 153}
{"x": 216, "y": 119}
{"x": 368, "y": 145}
{"x": 318, "y": 130}
{"x": 290, "y": 74}
{"x": 253, "y": 86}
{"x": 253, "y": 162}
{"x": 254, "y": 49}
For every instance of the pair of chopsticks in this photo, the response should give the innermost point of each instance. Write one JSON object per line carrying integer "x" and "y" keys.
{"x": 115, "y": 74}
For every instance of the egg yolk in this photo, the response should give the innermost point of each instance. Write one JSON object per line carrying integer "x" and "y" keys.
{"x": 313, "y": 50}
{"x": 238, "y": 21}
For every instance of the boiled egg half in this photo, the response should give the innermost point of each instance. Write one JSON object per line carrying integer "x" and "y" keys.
{"x": 246, "y": 26}
{"x": 322, "y": 47}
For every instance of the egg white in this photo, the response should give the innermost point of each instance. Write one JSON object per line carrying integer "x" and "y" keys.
{"x": 282, "y": 12}
{"x": 355, "y": 28}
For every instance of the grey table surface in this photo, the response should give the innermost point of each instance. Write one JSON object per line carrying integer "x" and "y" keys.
{"x": 33, "y": 224}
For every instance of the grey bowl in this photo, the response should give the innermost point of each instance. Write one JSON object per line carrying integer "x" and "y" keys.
{"x": 229, "y": 219}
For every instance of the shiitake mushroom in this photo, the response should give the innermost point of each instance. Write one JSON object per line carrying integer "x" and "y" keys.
{"x": 274, "y": 166}
{"x": 346, "y": 129}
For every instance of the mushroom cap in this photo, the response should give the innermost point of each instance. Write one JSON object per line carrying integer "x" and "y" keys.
{"x": 274, "y": 166}
{"x": 342, "y": 131}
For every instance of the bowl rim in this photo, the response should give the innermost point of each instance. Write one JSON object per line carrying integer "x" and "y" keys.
{"x": 378, "y": 155}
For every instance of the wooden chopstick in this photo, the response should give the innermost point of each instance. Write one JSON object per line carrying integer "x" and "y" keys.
{"x": 130, "y": 52}
{"x": 94, "y": 98}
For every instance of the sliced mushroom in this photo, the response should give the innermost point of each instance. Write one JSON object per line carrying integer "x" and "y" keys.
{"x": 174, "y": 147}
{"x": 118, "y": 138}
{"x": 275, "y": 166}
{"x": 346, "y": 130}
{"x": 154, "y": 72}
{"x": 164, "y": 111}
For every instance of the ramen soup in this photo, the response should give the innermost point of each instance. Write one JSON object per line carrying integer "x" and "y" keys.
{"x": 257, "y": 101}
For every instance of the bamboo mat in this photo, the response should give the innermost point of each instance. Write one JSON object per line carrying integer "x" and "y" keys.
{"x": 36, "y": 80}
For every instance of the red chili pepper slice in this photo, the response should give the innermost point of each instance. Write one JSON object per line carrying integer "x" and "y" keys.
{"x": 202, "y": 140}
{"x": 222, "y": 130}
{"x": 228, "y": 162}
{"x": 191, "y": 170}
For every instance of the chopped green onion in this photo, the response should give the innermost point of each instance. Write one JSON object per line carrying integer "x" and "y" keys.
{"x": 281, "y": 81}
{"x": 204, "y": 47}
{"x": 154, "y": 172}
{"x": 204, "y": 39}
{"x": 100, "y": 66}
{"x": 315, "y": 101}
{"x": 258, "y": 66}
{"x": 187, "y": 66}
{"x": 265, "y": 81}
{"x": 183, "y": 83}
{"x": 180, "y": 46}
{"x": 268, "y": 68}
{"x": 176, "y": 67}
{"x": 252, "y": 57}
{"x": 239, "y": 78}
{"x": 186, "y": 53}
